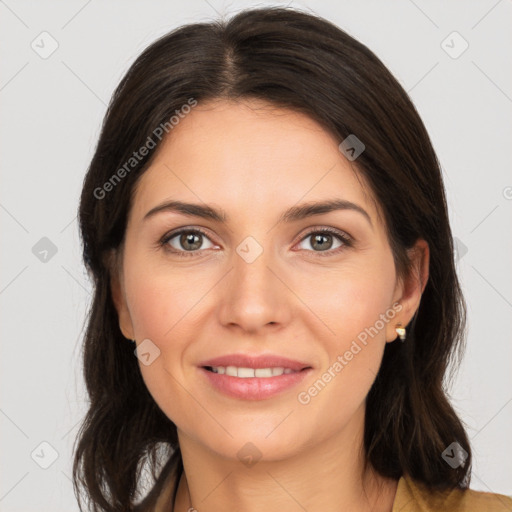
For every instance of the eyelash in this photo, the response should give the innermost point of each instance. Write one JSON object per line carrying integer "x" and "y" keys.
{"x": 342, "y": 237}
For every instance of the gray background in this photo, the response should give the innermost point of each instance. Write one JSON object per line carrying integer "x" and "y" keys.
{"x": 52, "y": 109}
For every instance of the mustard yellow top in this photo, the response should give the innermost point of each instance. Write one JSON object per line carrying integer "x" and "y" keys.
{"x": 412, "y": 496}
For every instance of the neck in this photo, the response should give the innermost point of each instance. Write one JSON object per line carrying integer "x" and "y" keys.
{"x": 328, "y": 475}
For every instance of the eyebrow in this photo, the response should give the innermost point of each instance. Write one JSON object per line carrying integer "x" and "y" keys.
{"x": 293, "y": 214}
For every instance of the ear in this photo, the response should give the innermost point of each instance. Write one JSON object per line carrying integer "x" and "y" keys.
{"x": 119, "y": 296}
{"x": 409, "y": 290}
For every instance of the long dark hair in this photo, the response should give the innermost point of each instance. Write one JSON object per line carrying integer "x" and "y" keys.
{"x": 299, "y": 61}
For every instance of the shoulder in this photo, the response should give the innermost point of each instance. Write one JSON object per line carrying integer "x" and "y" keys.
{"x": 413, "y": 496}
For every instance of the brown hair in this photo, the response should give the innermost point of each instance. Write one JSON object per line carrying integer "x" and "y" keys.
{"x": 302, "y": 62}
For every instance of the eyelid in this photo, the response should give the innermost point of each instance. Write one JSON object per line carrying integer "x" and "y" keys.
{"x": 325, "y": 229}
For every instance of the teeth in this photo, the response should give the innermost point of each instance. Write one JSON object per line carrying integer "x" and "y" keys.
{"x": 263, "y": 372}
{"x": 246, "y": 373}
{"x": 230, "y": 370}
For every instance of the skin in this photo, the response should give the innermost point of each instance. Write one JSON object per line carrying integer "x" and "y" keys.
{"x": 254, "y": 161}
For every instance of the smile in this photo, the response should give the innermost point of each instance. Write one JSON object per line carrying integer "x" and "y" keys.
{"x": 252, "y": 383}
{"x": 248, "y": 373}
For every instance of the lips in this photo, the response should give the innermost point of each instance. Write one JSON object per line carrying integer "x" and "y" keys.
{"x": 255, "y": 361}
{"x": 247, "y": 377}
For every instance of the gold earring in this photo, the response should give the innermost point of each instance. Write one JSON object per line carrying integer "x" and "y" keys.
{"x": 400, "y": 331}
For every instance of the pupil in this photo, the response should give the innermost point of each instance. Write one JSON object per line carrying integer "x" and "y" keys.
{"x": 188, "y": 238}
{"x": 321, "y": 240}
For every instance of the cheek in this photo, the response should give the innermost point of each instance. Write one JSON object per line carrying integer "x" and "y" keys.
{"x": 351, "y": 298}
{"x": 161, "y": 301}
{"x": 165, "y": 307}
{"x": 162, "y": 310}
{"x": 354, "y": 305}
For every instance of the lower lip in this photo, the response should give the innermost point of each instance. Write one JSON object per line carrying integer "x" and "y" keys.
{"x": 254, "y": 388}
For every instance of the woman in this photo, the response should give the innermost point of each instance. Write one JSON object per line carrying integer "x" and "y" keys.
{"x": 264, "y": 218}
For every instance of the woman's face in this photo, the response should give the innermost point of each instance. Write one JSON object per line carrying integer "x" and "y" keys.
{"x": 259, "y": 283}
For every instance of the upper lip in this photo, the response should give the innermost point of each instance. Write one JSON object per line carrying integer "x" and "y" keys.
{"x": 255, "y": 361}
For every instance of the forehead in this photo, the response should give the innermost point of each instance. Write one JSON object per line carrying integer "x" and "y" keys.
{"x": 249, "y": 157}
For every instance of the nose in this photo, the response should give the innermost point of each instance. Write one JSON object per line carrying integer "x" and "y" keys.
{"x": 254, "y": 295}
